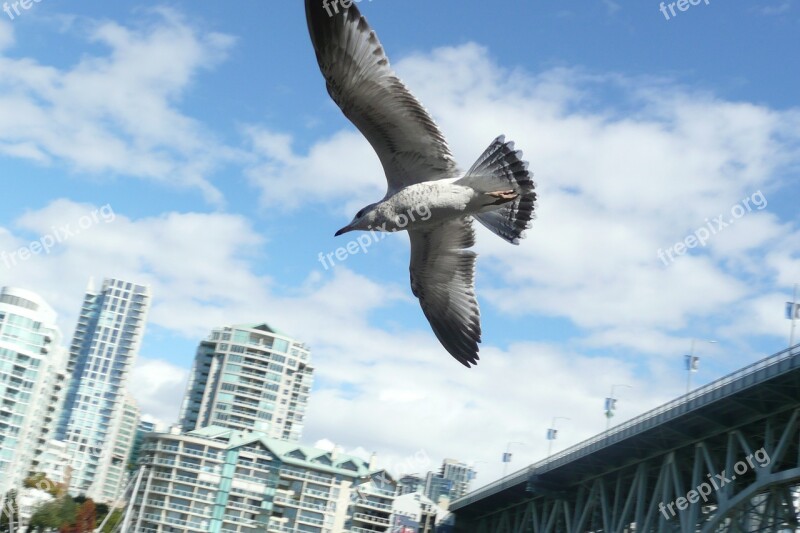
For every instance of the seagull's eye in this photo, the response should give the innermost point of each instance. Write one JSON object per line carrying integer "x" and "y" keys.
{"x": 361, "y": 213}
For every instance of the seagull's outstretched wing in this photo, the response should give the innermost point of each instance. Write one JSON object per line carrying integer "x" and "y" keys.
{"x": 410, "y": 146}
{"x": 443, "y": 278}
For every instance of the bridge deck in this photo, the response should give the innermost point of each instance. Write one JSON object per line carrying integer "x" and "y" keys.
{"x": 765, "y": 387}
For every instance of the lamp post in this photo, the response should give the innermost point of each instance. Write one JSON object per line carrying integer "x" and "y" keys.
{"x": 692, "y": 363}
{"x": 611, "y": 403}
{"x": 507, "y": 455}
{"x": 792, "y": 312}
{"x": 552, "y": 432}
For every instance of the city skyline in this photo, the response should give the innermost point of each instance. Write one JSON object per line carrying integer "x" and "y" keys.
{"x": 256, "y": 345}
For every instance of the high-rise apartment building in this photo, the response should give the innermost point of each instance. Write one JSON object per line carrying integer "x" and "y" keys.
{"x": 31, "y": 375}
{"x": 119, "y": 469}
{"x": 409, "y": 484}
{"x": 144, "y": 428}
{"x": 56, "y": 389}
{"x": 249, "y": 377}
{"x": 451, "y": 482}
{"x": 103, "y": 350}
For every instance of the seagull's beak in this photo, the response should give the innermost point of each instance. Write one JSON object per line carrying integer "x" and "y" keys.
{"x": 343, "y": 230}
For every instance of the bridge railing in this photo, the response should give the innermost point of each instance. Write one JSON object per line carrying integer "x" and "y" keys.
{"x": 591, "y": 444}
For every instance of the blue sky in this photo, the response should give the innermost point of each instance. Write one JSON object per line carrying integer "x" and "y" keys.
{"x": 207, "y": 129}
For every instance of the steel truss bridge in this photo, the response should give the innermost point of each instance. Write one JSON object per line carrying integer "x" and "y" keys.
{"x": 700, "y": 453}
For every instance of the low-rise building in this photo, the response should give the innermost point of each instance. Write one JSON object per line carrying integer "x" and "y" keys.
{"x": 414, "y": 513}
{"x": 223, "y": 480}
{"x": 372, "y": 500}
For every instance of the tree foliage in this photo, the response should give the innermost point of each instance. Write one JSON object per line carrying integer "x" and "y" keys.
{"x": 42, "y": 482}
{"x": 67, "y": 514}
{"x": 55, "y": 514}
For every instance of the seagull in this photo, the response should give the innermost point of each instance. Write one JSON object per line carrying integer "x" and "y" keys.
{"x": 427, "y": 195}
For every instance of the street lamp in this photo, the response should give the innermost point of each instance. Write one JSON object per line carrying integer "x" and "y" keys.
{"x": 793, "y": 313}
{"x": 693, "y": 362}
{"x": 552, "y": 433}
{"x": 611, "y": 403}
{"x": 507, "y": 455}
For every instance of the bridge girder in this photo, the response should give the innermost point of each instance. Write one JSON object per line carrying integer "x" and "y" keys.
{"x": 749, "y": 478}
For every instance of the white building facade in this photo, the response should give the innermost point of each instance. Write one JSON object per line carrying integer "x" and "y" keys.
{"x": 221, "y": 480}
{"x": 31, "y": 371}
{"x": 249, "y": 377}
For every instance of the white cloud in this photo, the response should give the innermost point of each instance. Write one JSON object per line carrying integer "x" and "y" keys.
{"x": 776, "y": 9}
{"x": 158, "y": 386}
{"x": 116, "y": 113}
{"x": 356, "y": 179}
{"x": 428, "y": 409}
{"x": 6, "y": 35}
{"x": 611, "y": 6}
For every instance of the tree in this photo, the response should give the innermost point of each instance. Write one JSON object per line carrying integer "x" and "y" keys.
{"x": 47, "y": 516}
{"x": 57, "y": 514}
{"x": 86, "y": 520}
{"x": 42, "y": 482}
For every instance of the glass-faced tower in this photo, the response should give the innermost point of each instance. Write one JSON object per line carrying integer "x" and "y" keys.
{"x": 103, "y": 350}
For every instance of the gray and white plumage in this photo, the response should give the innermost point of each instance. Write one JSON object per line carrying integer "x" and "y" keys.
{"x": 421, "y": 173}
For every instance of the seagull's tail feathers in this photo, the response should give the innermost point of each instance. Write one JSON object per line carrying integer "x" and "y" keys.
{"x": 501, "y": 174}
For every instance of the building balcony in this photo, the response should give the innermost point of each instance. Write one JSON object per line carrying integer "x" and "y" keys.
{"x": 299, "y": 474}
{"x": 373, "y": 505}
{"x": 317, "y": 493}
{"x": 184, "y": 479}
{"x": 171, "y": 506}
{"x": 371, "y": 519}
{"x": 239, "y": 506}
{"x": 371, "y": 489}
{"x": 313, "y": 521}
{"x": 292, "y": 502}
{"x": 209, "y": 498}
{"x": 280, "y": 528}
{"x": 185, "y": 525}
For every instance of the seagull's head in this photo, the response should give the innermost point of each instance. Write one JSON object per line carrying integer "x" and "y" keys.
{"x": 366, "y": 219}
